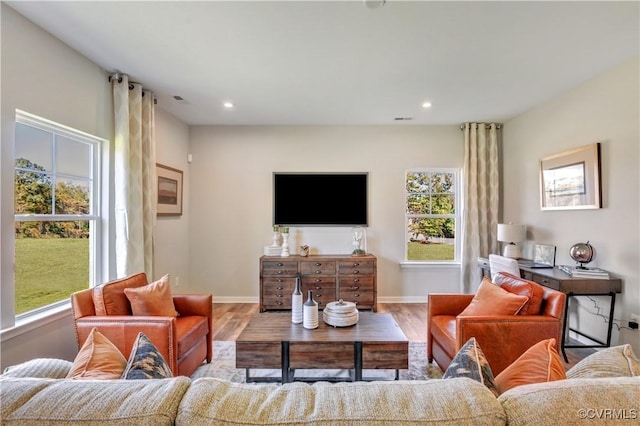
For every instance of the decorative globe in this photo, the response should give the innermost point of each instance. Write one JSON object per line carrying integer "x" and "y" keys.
{"x": 582, "y": 253}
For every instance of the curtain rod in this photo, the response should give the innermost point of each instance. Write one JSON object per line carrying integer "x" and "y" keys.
{"x": 117, "y": 76}
{"x": 498, "y": 125}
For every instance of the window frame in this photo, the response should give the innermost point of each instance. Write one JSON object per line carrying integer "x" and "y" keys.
{"x": 457, "y": 216}
{"x": 96, "y": 214}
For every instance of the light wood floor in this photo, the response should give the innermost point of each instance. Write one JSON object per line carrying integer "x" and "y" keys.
{"x": 229, "y": 319}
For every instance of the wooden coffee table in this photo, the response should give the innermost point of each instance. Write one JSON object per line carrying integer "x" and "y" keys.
{"x": 272, "y": 341}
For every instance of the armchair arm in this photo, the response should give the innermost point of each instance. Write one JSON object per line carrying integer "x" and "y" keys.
{"x": 193, "y": 304}
{"x": 503, "y": 338}
{"x": 122, "y": 331}
{"x": 447, "y": 304}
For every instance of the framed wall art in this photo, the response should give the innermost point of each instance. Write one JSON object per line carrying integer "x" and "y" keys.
{"x": 169, "y": 191}
{"x": 570, "y": 180}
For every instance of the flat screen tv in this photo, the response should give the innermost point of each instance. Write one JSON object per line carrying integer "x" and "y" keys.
{"x": 320, "y": 199}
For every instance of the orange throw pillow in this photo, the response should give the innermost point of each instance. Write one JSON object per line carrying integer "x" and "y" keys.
{"x": 517, "y": 285}
{"x": 540, "y": 363}
{"x": 97, "y": 359}
{"x": 490, "y": 299}
{"x": 152, "y": 299}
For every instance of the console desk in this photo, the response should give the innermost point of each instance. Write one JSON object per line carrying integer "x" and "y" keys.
{"x": 558, "y": 280}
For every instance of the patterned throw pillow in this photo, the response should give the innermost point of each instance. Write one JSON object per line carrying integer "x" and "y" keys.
{"x": 470, "y": 362}
{"x": 152, "y": 299}
{"x": 540, "y": 363}
{"x": 146, "y": 361}
{"x": 46, "y": 368}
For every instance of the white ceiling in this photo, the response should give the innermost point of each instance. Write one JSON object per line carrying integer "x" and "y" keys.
{"x": 341, "y": 63}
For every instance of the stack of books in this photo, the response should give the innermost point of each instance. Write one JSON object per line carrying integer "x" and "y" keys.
{"x": 272, "y": 250}
{"x": 576, "y": 272}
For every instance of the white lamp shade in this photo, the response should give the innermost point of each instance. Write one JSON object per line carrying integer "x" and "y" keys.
{"x": 510, "y": 233}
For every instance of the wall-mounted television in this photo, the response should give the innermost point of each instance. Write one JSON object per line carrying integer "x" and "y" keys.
{"x": 320, "y": 199}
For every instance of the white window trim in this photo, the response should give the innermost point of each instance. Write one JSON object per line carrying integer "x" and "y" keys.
{"x": 98, "y": 218}
{"x": 439, "y": 264}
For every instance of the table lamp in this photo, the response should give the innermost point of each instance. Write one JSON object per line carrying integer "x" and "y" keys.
{"x": 511, "y": 234}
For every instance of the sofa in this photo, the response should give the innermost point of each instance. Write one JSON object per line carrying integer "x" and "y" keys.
{"x": 183, "y": 335}
{"x": 604, "y": 388}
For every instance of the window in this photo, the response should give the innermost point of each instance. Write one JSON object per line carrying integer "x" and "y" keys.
{"x": 57, "y": 212}
{"x": 432, "y": 215}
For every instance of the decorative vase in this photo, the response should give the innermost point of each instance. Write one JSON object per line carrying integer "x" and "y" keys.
{"x": 285, "y": 242}
{"x": 296, "y": 303}
{"x": 359, "y": 241}
{"x": 310, "y": 313}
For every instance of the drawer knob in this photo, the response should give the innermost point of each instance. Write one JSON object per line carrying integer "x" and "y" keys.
{"x": 279, "y": 303}
{"x": 318, "y": 272}
{"x": 279, "y": 287}
{"x": 318, "y": 288}
{"x": 318, "y": 295}
{"x": 278, "y": 295}
{"x": 356, "y": 271}
{"x": 280, "y": 280}
{"x": 318, "y": 280}
{"x": 318, "y": 264}
{"x": 355, "y": 287}
{"x": 280, "y": 264}
{"x": 279, "y": 272}
{"x": 356, "y": 295}
{"x": 356, "y": 280}
{"x": 356, "y": 264}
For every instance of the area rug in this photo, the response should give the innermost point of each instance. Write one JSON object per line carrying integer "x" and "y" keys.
{"x": 223, "y": 366}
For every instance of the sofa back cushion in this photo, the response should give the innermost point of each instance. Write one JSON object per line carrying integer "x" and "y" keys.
{"x": 91, "y": 402}
{"x": 109, "y": 298}
{"x": 517, "y": 285}
{"x": 442, "y": 402}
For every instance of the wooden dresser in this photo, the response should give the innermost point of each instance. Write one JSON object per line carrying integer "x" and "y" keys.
{"x": 330, "y": 277}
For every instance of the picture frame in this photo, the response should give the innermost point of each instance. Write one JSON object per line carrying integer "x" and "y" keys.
{"x": 169, "y": 191}
{"x": 570, "y": 180}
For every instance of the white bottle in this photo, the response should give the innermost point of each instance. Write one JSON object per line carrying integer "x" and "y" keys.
{"x": 296, "y": 303}
{"x": 310, "y": 313}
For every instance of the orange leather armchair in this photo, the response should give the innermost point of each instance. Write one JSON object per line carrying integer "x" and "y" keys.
{"x": 184, "y": 341}
{"x": 502, "y": 338}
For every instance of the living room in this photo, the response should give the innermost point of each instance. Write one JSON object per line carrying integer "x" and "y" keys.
{"x": 214, "y": 246}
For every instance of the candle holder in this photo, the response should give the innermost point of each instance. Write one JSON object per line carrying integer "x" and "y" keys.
{"x": 276, "y": 240}
{"x": 285, "y": 242}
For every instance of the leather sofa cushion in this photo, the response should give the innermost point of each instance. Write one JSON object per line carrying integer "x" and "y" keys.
{"x": 109, "y": 299}
{"x": 190, "y": 330}
{"x": 516, "y": 285}
{"x": 491, "y": 299}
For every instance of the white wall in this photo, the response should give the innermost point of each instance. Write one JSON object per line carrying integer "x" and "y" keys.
{"x": 171, "y": 248}
{"x": 231, "y": 200}
{"x": 605, "y": 110}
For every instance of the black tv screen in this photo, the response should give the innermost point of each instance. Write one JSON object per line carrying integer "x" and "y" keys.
{"x": 320, "y": 199}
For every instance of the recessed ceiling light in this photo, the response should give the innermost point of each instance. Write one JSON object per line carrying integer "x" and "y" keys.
{"x": 228, "y": 105}
{"x": 426, "y": 104}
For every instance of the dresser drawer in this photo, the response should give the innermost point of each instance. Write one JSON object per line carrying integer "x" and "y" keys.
{"x": 356, "y": 282}
{"x": 547, "y": 282}
{"x": 276, "y": 293}
{"x": 323, "y": 293}
{"x": 356, "y": 267}
{"x": 318, "y": 268}
{"x": 279, "y": 268}
{"x": 363, "y": 298}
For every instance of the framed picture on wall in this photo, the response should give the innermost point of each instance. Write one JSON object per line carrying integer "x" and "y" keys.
{"x": 169, "y": 191}
{"x": 570, "y": 180}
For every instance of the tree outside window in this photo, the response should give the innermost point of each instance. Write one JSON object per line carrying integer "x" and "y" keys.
{"x": 431, "y": 214}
